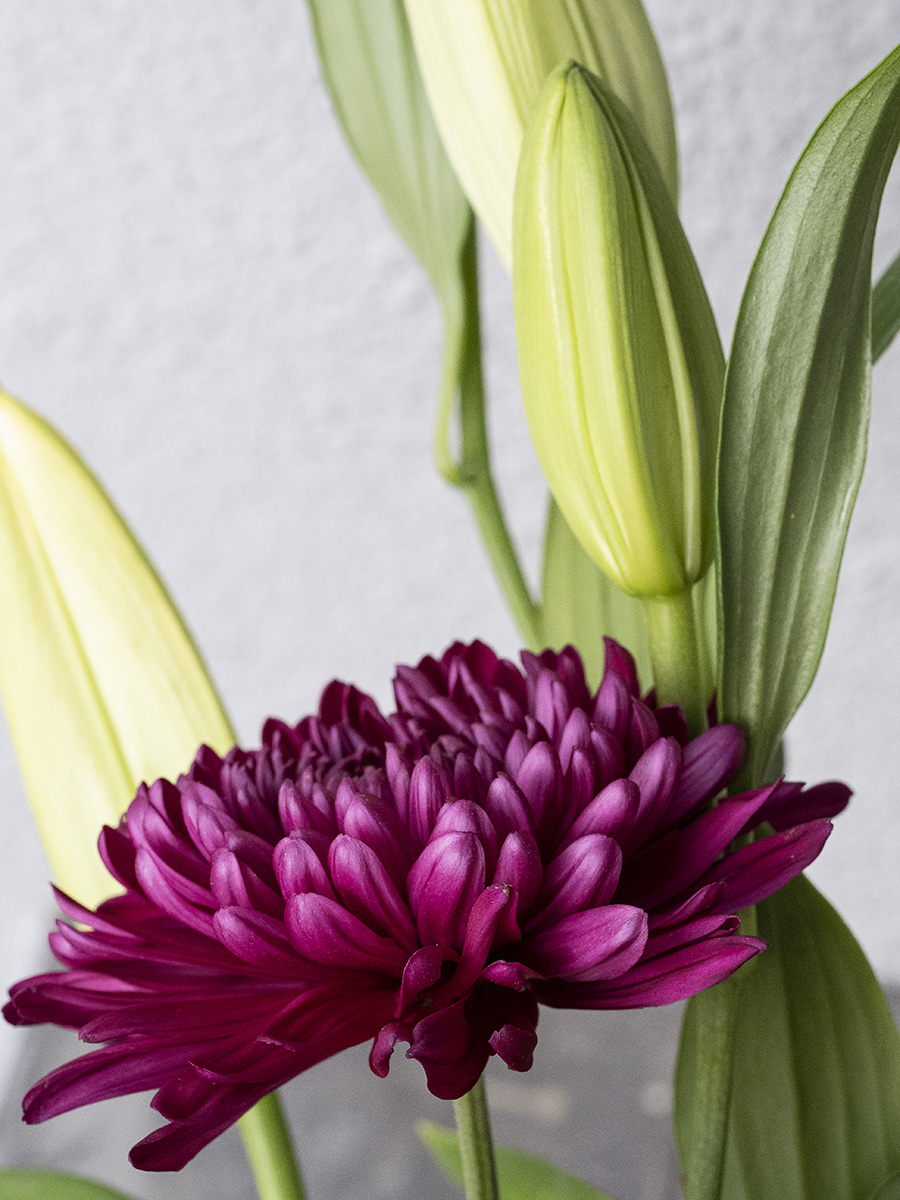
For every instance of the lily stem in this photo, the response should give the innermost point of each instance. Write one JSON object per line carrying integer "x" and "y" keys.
{"x": 270, "y": 1151}
{"x": 476, "y": 1147}
{"x": 462, "y": 389}
{"x": 682, "y": 671}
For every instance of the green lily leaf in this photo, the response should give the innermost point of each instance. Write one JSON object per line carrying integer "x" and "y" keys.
{"x": 886, "y": 309}
{"x": 581, "y": 605}
{"x": 519, "y": 1176}
{"x": 889, "y": 1190}
{"x": 102, "y": 684}
{"x": 369, "y": 64}
{"x": 22, "y": 1183}
{"x": 814, "y": 1105}
{"x": 795, "y": 415}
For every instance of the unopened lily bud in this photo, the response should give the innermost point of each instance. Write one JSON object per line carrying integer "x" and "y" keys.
{"x": 619, "y": 357}
{"x": 484, "y": 63}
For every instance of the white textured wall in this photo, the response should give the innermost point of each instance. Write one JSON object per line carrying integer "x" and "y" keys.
{"x": 198, "y": 287}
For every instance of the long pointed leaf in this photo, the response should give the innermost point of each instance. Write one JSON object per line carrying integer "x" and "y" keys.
{"x": 520, "y": 1176}
{"x": 814, "y": 1103}
{"x": 370, "y": 67}
{"x": 795, "y": 415}
{"x": 889, "y": 1190}
{"x": 101, "y": 681}
{"x": 23, "y": 1183}
{"x": 886, "y": 309}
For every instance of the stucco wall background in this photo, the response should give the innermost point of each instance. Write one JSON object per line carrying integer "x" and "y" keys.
{"x": 200, "y": 290}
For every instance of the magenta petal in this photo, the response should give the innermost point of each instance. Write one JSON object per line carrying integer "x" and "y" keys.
{"x": 233, "y": 881}
{"x": 756, "y": 871}
{"x": 373, "y": 822}
{"x": 515, "y": 1046}
{"x": 643, "y": 731}
{"x": 515, "y": 1038}
{"x": 612, "y": 812}
{"x": 507, "y": 807}
{"x": 118, "y": 854}
{"x": 299, "y": 862}
{"x": 583, "y": 780}
{"x": 158, "y": 889}
{"x": 519, "y": 865}
{"x": 620, "y": 662}
{"x": 664, "y": 941}
{"x": 509, "y": 975}
{"x": 100, "y": 1075}
{"x": 655, "y": 774}
{"x": 173, "y": 1146}
{"x": 429, "y": 790}
{"x": 321, "y": 930}
{"x": 464, "y": 816}
{"x": 481, "y": 933}
{"x": 422, "y": 972}
{"x": 576, "y": 735}
{"x": 383, "y": 1046}
{"x": 206, "y": 823}
{"x": 583, "y": 875}
{"x": 452, "y": 1055}
{"x": 710, "y": 761}
{"x": 703, "y": 900}
{"x": 551, "y": 704}
{"x": 662, "y": 980}
{"x": 609, "y": 756}
{"x": 366, "y": 888}
{"x": 680, "y": 858}
{"x": 612, "y": 708}
{"x": 783, "y": 811}
{"x": 599, "y": 944}
{"x": 539, "y": 779}
{"x": 257, "y": 939}
{"x": 443, "y": 884}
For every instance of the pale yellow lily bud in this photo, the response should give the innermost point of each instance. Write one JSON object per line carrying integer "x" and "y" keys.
{"x": 619, "y": 357}
{"x": 484, "y": 63}
{"x": 101, "y": 682}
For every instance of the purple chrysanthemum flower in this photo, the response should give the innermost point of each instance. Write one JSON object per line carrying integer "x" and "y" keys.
{"x": 505, "y": 838}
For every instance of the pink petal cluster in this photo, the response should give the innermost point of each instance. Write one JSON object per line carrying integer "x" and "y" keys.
{"x": 504, "y": 838}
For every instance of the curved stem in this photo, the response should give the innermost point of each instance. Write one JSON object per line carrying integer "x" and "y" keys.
{"x": 462, "y": 378}
{"x": 270, "y": 1151}
{"x": 476, "y": 1148}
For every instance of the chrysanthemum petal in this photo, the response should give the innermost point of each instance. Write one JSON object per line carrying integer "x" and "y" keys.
{"x": 323, "y": 931}
{"x": 583, "y": 875}
{"x": 756, "y": 871}
{"x": 598, "y": 944}
{"x": 659, "y": 981}
{"x": 443, "y": 884}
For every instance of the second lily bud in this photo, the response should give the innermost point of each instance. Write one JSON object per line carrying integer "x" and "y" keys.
{"x": 619, "y": 357}
{"x": 484, "y": 63}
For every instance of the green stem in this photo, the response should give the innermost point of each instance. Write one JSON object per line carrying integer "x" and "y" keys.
{"x": 267, "y": 1142}
{"x": 473, "y": 1129}
{"x": 463, "y": 382}
{"x": 682, "y": 671}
